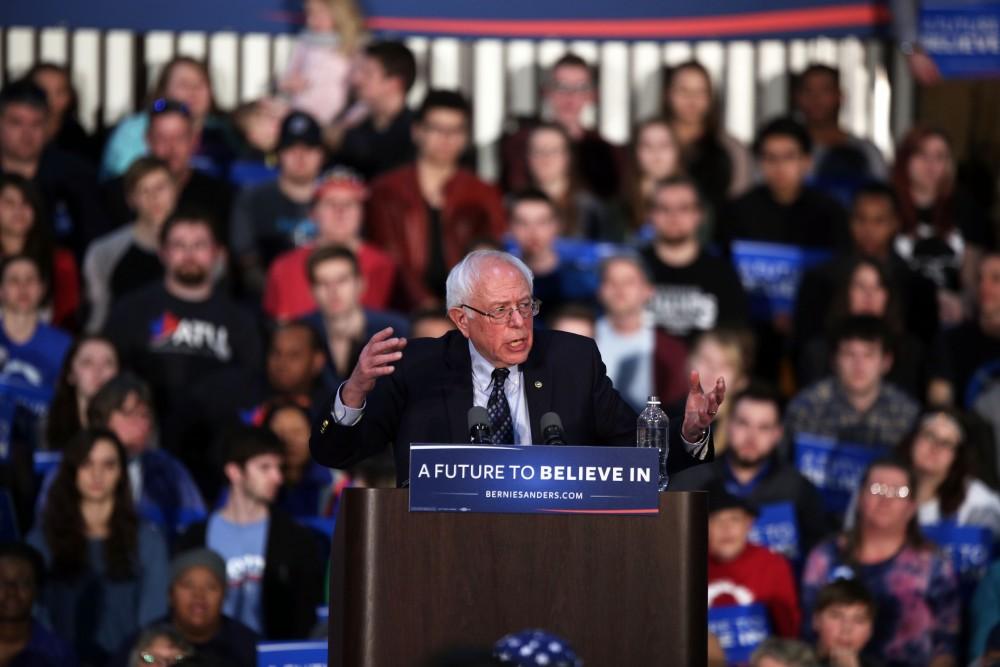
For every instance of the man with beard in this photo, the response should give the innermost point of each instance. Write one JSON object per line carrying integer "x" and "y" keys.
{"x": 751, "y": 467}
{"x": 693, "y": 291}
{"x": 178, "y": 331}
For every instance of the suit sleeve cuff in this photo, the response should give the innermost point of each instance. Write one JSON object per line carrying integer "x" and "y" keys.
{"x": 699, "y": 449}
{"x": 345, "y": 415}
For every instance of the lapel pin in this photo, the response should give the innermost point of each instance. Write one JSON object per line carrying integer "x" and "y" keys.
{"x": 322, "y": 427}
{"x": 538, "y": 384}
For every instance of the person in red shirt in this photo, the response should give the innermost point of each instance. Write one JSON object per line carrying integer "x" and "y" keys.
{"x": 740, "y": 573}
{"x": 428, "y": 214}
{"x": 337, "y": 209}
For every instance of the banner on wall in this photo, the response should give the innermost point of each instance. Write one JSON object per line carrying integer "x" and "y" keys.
{"x": 536, "y": 19}
{"x": 962, "y": 38}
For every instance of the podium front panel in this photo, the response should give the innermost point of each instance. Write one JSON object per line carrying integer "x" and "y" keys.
{"x": 623, "y": 590}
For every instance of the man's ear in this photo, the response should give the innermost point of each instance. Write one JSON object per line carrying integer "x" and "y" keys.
{"x": 461, "y": 320}
{"x": 318, "y": 360}
{"x": 887, "y": 360}
{"x": 233, "y": 472}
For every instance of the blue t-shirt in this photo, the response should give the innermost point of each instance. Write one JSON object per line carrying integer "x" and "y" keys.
{"x": 242, "y": 546}
{"x": 37, "y": 362}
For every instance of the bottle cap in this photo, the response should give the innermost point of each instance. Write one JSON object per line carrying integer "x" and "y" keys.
{"x": 653, "y": 400}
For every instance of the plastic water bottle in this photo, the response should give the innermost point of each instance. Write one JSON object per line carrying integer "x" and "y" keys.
{"x": 651, "y": 431}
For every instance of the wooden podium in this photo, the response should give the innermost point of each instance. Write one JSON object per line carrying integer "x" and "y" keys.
{"x": 623, "y": 590}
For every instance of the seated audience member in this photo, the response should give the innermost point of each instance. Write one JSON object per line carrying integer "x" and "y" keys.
{"x": 752, "y": 468}
{"x": 337, "y": 211}
{"x": 258, "y": 123}
{"x": 873, "y": 224}
{"x": 90, "y": 362}
{"x": 783, "y": 653}
{"x": 642, "y": 360}
{"x": 841, "y": 161}
{"x": 534, "y": 231}
{"x": 159, "y": 645}
{"x": 943, "y": 231}
{"x": 273, "y": 217}
{"x": 742, "y": 573}
{"x": 128, "y": 258}
{"x": 275, "y": 579}
{"x": 430, "y": 323}
{"x": 717, "y": 162}
{"x": 107, "y": 570}
{"x": 24, "y": 642}
{"x": 947, "y": 489}
{"x": 173, "y": 138}
{"x": 176, "y": 332}
{"x": 568, "y": 91}
{"x": 984, "y": 616}
{"x": 552, "y": 170}
{"x": 197, "y": 589}
{"x": 32, "y": 351}
{"x": 382, "y": 140}
{"x": 728, "y": 353}
{"x": 913, "y": 584}
{"x": 163, "y": 490}
{"x": 62, "y": 128}
{"x": 309, "y": 489}
{"x": 187, "y": 81}
{"x": 866, "y": 289}
{"x": 966, "y": 371}
{"x": 843, "y": 620}
{"x": 25, "y": 231}
{"x": 693, "y": 291}
{"x": 654, "y": 157}
{"x": 67, "y": 183}
{"x": 783, "y": 209}
{"x": 427, "y": 214}
{"x": 573, "y": 318}
{"x": 344, "y": 324}
{"x": 855, "y": 405}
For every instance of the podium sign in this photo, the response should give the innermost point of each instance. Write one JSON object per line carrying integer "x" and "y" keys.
{"x": 533, "y": 479}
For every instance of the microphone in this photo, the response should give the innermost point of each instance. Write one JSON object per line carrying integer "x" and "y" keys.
{"x": 552, "y": 429}
{"x": 479, "y": 426}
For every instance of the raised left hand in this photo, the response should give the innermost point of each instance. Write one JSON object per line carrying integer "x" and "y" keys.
{"x": 701, "y": 408}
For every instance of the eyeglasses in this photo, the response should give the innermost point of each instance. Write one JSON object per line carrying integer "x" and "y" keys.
{"x": 165, "y": 105}
{"x": 937, "y": 441}
{"x": 887, "y": 491}
{"x": 502, "y": 314}
{"x": 150, "y": 659}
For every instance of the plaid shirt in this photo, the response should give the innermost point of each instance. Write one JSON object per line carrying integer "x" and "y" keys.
{"x": 823, "y": 409}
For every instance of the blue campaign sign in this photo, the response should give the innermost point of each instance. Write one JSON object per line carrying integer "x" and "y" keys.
{"x": 533, "y": 479}
{"x": 740, "y": 629}
{"x": 834, "y": 467}
{"x": 776, "y": 528}
{"x": 970, "y": 548}
{"x": 963, "y": 38}
{"x": 291, "y": 654}
{"x": 771, "y": 273}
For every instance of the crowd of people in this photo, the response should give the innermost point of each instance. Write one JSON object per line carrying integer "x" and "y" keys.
{"x": 181, "y": 297}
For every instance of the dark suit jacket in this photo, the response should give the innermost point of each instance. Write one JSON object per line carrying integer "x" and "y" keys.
{"x": 428, "y": 397}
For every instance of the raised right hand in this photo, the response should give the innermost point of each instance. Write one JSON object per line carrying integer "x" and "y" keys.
{"x": 375, "y": 361}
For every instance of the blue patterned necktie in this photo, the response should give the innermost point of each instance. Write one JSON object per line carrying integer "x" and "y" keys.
{"x": 501, "y": 425}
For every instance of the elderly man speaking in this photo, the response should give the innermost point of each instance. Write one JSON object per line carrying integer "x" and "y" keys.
{"x": 421, "y": 391}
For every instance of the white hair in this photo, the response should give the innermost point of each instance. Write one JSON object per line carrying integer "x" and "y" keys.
{"x": 463, "y": 277}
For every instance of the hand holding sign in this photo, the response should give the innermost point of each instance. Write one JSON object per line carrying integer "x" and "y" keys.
{"x": 374, "y": 362}
{"x": 701, "y": 408}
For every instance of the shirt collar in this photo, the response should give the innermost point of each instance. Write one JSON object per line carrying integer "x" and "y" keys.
{"x": 482, "y": 371}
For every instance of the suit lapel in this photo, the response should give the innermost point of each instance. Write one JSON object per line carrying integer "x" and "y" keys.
{"x": 537, "y": 389}
{"x": 457, "y": 386}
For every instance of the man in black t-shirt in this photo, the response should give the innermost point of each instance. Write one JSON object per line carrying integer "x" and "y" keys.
{"x": 171, "y": 137}
{"x": 382, "y": 140}
{"x": 693, "y": 291}
{"x": 178, "y": 331}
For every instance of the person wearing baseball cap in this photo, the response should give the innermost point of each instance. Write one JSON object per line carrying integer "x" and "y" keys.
{"x": 337, "y": 210}
{"x": 273, "y": 217}
{"x": 197, "y": 589}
